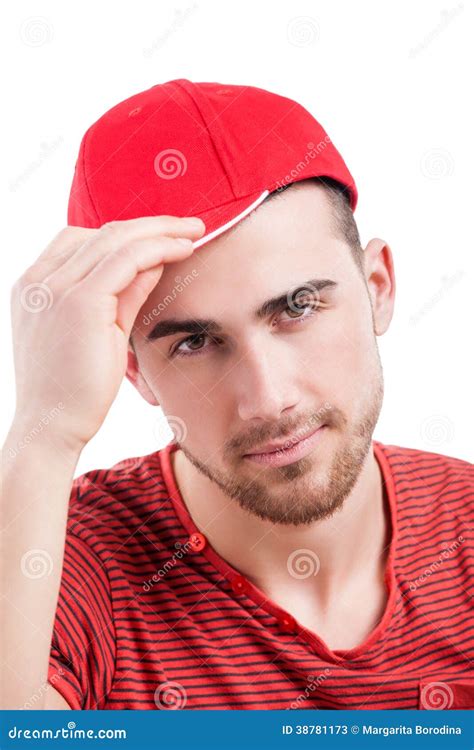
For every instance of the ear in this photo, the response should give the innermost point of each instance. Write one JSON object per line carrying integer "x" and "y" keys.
{"x": 380, "y": 277}
{"x": 136, "y": 378}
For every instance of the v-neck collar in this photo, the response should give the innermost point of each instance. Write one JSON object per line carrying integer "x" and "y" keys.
{"x": 263, "y": 601}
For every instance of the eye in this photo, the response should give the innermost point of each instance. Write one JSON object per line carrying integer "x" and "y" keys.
{"x": 302, "y": 308}
{"x": 196, "y": 337}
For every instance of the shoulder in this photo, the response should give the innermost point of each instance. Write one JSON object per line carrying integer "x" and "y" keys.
{"x": 431, "y": 490}
{"x": 413, "y": 467}
{"x": 107, "y": 505}
{"x": 432, "y": 500}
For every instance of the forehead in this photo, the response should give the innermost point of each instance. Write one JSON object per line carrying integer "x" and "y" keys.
{"x": 285, "y": 241}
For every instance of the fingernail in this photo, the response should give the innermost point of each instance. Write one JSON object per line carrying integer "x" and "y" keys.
{"x": 195, "y": 222}
{"x": 184, "y": 242}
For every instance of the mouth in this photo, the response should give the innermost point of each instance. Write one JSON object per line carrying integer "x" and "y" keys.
{"x": 287, "y": 451}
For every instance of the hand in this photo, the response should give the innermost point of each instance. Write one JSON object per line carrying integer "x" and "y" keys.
{"x": 72, "y": 314}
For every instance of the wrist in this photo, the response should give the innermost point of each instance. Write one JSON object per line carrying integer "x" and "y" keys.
{"x": 27, "y": 438}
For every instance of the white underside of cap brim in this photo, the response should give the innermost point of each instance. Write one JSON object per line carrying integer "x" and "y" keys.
{"x": 229, "y": 224}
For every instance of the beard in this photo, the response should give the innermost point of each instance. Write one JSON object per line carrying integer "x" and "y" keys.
{"x": 304, "y": 491}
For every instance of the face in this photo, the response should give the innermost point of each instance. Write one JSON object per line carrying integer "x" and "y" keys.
{"x": 292, "y": 347}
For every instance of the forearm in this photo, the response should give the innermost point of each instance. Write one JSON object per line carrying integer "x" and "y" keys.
{"x": 36, "y": 484}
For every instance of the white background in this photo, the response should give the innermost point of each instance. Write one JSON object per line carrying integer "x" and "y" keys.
{"x": 390, "y": 84}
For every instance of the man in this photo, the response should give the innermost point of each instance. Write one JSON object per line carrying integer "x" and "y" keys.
{"x": 273, "y": 555}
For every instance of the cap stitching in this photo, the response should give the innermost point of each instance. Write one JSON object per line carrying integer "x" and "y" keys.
{"x": 211, "y": 136}
{"x": 86, "y": 138}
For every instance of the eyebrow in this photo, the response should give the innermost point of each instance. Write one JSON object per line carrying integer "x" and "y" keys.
{"x": 208, "y": 326}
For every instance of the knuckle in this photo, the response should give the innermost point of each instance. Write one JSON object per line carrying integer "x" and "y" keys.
{"x": 62, "y": 239}
{"x": 14, "y": 292}
{"x": 29, "y": 276}
{"x": 72, "y": 235}
{"x": 129, "y": 251}
{"x": 110, "y": 226}
{"x": 65, "y": 233}
{"x": 31, "y": 295}
{"x": 74, "y": 300}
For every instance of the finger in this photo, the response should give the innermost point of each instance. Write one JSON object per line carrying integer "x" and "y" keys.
{"x": 117, "y": 270}
{"x": 59, "y": 250}
{"x": 133, "y": 297}
{"x": 111, "y": 237}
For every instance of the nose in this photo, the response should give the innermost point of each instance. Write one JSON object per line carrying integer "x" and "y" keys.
{"x": 265, "y": 386}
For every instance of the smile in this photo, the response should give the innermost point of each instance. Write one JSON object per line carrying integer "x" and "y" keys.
{"x": 288, "y": 453}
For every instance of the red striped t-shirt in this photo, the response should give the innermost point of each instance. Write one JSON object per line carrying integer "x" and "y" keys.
{"x": 149, "y": 616}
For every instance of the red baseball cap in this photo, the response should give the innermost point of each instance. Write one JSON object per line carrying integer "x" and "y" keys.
{"x": 198, "y": 149}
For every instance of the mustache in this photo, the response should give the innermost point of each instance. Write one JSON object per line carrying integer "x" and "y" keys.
{"x": 294, "y": 431}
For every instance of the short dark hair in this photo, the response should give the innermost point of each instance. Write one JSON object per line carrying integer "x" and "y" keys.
{"x": 344, "y": 222}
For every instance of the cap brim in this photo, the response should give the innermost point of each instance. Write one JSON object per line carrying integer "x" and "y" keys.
{"x": 220, "y": 218}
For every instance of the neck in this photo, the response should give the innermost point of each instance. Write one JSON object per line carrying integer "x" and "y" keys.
{"x": 346, "y": 547}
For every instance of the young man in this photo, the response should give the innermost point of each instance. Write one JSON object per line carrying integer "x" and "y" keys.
{"x": 273, "y": 555}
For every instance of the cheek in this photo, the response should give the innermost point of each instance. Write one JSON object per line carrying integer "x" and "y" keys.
{"x": 194, "y": 410}
{"x": 340, "y": 354}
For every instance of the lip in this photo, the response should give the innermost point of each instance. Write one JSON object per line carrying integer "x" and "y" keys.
{"x": 279, "y": 456}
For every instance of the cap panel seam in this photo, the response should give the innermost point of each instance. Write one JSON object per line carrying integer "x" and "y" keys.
{"x": 89, "y": 193}
{"x": 211, "y": 138}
